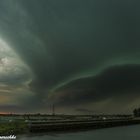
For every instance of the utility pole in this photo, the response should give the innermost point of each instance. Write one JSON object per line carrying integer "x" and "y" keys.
{"x": 53, "y": 110}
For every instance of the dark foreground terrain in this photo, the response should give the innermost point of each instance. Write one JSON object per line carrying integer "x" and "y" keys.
{"x": 37, "y": 123}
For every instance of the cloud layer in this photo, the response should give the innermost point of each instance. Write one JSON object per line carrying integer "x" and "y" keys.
{"x": 71, "y": 53}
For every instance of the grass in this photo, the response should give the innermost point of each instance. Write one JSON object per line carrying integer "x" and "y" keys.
{"x": 18, "y": 127}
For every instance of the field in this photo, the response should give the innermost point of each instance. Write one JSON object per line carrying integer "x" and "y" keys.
{"x": 17, "y": 127}
{"x": 23, "y": 124}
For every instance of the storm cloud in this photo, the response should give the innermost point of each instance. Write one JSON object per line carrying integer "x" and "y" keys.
{"x": 72, "y": 53}
{"x": 115, "y": 81}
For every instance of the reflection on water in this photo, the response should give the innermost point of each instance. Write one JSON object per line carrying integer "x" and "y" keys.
{"x": 118, "y": 133}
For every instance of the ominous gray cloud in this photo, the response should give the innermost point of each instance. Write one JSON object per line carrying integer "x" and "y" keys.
{"x": 112, "y": 82}
{"x": 63, "y": 42}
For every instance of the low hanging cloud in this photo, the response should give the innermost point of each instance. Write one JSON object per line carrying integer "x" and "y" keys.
{"x": 119, "y": 83}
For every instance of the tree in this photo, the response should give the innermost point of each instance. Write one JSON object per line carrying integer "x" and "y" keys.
{"x": 136, "y": 112}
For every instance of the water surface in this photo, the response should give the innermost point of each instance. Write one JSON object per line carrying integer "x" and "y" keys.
{"x": 117, "y": 133}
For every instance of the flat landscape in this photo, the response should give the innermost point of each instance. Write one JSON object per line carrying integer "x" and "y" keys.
{"x": 32, "y": 123}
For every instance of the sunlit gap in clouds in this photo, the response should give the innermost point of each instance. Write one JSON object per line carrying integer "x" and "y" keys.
{"x": 15, "y": 77}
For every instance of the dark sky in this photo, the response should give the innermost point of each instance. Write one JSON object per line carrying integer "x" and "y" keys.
{"x": 77, "y": 54}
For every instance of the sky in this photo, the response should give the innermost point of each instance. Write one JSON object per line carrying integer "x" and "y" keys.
{"x": 82, "y": 56}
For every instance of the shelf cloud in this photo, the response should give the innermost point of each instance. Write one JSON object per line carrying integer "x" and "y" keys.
{"x": 74, "y": 54}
